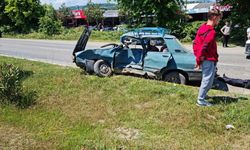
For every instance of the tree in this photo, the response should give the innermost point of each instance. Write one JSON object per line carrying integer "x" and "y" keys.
{"x": 240, "y": 15}
{"x": 94, "y": 13}
{"x": 49, "y": 23}
{"x": 63, "y": 13}
{"x": 240, "y": 11}
{"x": 4, "y": 19}
{"x": 23, "y": 14}
{"x": 162, "y": 12}
{"x": 2, "y": 7}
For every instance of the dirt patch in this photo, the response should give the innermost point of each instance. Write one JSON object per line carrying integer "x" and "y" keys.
{"x": 145, "y": 105}
{"x": 127, "y": 133}
{"x": 242, "y": 143}
{"x": 12, "y": 138}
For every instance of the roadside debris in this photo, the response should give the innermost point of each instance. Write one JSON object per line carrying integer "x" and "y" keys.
{"x": 229, "y": 126}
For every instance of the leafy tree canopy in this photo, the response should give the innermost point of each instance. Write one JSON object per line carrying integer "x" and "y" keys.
{"x": 94, "y": 13}
{"x": 163, "y": 12}
{"x": 2, "y": 6}
{"x": 240, "y": 12}
{"x": 64, "y": 12}
{"x": 49, "y": 23}
{"x": 4, "y": 19}
{"x": 240, "y": 15}
{"x": 23, "y": 14}
{"x": 49, "y": 11}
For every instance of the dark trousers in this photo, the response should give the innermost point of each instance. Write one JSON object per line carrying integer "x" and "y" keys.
{"x": 237, "y": 82}
{"x": 225, "y": 40}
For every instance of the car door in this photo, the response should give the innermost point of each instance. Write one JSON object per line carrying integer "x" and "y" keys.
{"x": 183, "y": 59}
{"x": 128, "y": 58}
{"x": 155, "y": 61}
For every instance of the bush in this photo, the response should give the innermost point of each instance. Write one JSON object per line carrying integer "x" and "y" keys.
{"x": 238, "y": 36}
{"x": 122, "y": 27}
{"x": 177, "y": 30}
{"x": 190, "y": 30}
{"x": 49, "y": 26}
{"x": 106, "y": 36}
{"x": 11, "y": 90}
{"x": 6, "y": 29}
{"x": 10, "y": 83}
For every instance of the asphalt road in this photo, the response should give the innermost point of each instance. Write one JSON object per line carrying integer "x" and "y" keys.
{"x": 232, "y": 60}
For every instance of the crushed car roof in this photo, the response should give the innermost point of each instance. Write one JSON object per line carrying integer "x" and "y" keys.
{"x": 153, "y": 32}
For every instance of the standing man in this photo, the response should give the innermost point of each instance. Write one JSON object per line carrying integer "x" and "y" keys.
{"x": 248, "y": 33}
{"x": 205, "y": 50}
{"x": 225, "y": 30}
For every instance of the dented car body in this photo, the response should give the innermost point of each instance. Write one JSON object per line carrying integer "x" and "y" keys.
{"x": 168, "y": 61}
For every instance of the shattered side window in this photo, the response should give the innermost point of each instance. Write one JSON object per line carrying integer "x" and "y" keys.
{"x": 175, "y": 45}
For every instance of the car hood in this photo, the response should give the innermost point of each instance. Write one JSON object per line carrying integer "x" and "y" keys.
{"x": 96, "y": 54}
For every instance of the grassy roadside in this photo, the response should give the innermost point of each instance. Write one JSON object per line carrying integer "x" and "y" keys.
{"x": 70, "y": 34}
{"x": 96, "y": 36}
{"x": 77, "y": 111}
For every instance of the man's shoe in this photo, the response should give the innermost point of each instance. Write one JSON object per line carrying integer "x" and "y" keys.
{"x": 203, "y": 103}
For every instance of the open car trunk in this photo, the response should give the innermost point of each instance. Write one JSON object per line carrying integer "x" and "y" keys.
{"x": 82, "y": 42}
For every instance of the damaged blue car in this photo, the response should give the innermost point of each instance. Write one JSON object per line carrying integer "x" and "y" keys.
{"x": 147, "y": 52}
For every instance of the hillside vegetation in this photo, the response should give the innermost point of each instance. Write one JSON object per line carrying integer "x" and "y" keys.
{"x": 79, "y": 111}
{"x": 70, "y": 34}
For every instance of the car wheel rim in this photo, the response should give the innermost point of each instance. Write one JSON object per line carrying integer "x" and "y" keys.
{"x": 104, "y": 69}
{"x": 173, "y": 79}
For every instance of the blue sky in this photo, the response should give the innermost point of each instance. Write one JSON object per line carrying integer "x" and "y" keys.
{"x": 58, "y": 3}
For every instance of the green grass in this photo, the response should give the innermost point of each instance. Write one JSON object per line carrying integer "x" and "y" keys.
{"x": 75, "y": 111}
{"x": 70, "y": 34}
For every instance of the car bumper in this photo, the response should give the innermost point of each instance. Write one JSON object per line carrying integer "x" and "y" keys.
{"x": 87, "y": 64}
{"x": 194, "y": 75}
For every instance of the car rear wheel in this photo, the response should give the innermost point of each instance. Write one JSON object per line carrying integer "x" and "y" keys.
{"x": 248, "y": 56}
{"x": 102, "y": 69}
{"x": 175, "y": 77}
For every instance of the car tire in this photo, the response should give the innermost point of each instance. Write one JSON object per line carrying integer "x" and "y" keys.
{"x": 219, "y": 85}
{"x": 175, "y": 77}
{"x": 102, "y": 69}
{"x": 248, "y": 56}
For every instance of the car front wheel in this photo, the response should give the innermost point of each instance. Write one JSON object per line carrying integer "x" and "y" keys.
{"x": 102, "y": 69}
{"x": 175, "y": 77}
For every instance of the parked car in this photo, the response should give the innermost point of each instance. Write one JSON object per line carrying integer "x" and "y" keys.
{"x": 148, "y": 52}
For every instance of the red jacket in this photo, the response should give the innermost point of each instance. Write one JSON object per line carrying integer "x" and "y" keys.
{"x": 206, "y": 42}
